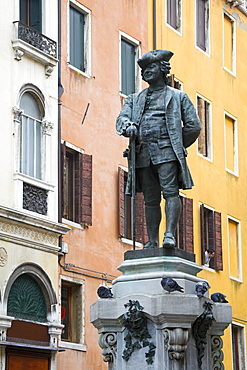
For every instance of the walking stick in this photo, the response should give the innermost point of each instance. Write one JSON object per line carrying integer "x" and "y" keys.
{"x": 133, "y": 192}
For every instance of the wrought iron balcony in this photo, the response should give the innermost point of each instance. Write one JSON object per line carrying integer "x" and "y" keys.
{"x": 37, "y": 39}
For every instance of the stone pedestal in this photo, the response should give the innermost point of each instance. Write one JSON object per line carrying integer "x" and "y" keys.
{"x": 144, "y": 327}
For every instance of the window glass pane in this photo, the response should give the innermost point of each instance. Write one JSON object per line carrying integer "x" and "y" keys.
{"x": 65, "y": 312}
{"x": 127, "y": 67}
{"x": 234, "y": 248}
{"x": 31, "y": 13}
{"x": 201, "y": 24}
{"x": 30, "y": 106}
{"x": 77, "y": 39}
{"x": 230, "y": 157}
{"x": 228, "y": 43}
{"x": 172, "y": 13}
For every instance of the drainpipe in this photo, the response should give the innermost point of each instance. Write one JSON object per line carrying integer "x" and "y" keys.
{"x": 60, "y": 92}
{"x": 154, "y": 24}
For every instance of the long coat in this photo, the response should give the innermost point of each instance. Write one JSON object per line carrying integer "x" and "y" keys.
{"x": 183, "y": 125}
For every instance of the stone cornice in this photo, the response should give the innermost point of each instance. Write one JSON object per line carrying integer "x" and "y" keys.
{"x": 32, "y": 231}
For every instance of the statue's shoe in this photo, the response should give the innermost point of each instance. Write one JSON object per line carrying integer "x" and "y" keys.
{"x": 149, "y": 245}
{"x": 169, "y": 241}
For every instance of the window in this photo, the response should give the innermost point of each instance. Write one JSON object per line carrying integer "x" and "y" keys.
{"x": 130, "y": 76}
{"x": 79, "y": 41}
{"x": 125, "y": 211}
{"x": 211, "y": 238}
{"x": 174, "y": 82}
{"x": 31, "y": 13}
{"x": 173, "y": 14}
{"x": 229, "y": 43}
{"x": 202, "y": 24}
{"x": 72, "y": 311}
{"x": 26, "y": 300}
{"x": 238, "y": 347}
{"x": 231, "y": 144}
{"x": 204, "y": 139}
{"x": 31, "y": 136}
{"x": 77, "y": 185}
{"x": 234, "y": 248}
{"x": 184, "y": 231}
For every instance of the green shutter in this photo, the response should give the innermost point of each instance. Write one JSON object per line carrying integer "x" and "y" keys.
{"x": 127, "y": 68}
{"x": 77, "y": 39}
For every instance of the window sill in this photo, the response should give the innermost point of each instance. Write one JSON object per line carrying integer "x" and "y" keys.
{"x": 72, "y": 224}
{"x": 130, "y": 242}
{"x": 206, "y": 158}
{"x": 232, "y": 172}
{"x": 33, "y": 181}
{"x": 84, "y": 74}
{"x": 22, "y": 48}
{"x": 71, "y": 345}
{"x": 236, "y": 279}
{"x": 204, "y": 267}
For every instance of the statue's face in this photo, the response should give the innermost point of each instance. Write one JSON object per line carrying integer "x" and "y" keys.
{"x": 152, "y": 73}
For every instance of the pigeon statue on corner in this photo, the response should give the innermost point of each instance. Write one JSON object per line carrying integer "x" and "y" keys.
{"x": 170, "y": 285}
{"x": 201, "y": 288}
{"x": 104, "y": 292}
{"x": 219, "y": 298}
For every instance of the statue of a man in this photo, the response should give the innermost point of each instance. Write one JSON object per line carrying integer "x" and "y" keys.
{"x": 163, "y": 122}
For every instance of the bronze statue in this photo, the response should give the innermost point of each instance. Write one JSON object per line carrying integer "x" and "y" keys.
{"x": 163, "y": 122}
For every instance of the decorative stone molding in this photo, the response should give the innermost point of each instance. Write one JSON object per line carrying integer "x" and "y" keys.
{"x": 46, "y": 127}
{"x": 176, "y": 342}
{"x": 18, "y": 54}
{"x": 217, "y": 353}
{"x": 108, "y": 343}
{"x": 200, "y": 328}
{"x": 5, "y": 324}
{"x": 48, "y": 70}
{"x": 55, "y": 330}
{"x": 3, "y": 256}
{"x": 17, "y": 114}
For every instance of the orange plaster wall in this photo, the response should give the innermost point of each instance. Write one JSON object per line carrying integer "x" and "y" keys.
{"x": 98, "y": 247}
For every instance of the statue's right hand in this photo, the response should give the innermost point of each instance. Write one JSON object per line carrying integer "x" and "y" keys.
{"x": 131, "y": 131}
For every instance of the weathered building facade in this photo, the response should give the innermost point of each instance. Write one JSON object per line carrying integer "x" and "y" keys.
{"x": 208, "y": 39}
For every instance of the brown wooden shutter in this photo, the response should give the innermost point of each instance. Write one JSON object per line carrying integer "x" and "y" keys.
{"x": 121, "y": 201}
{"x": 186, "y": 232}
{"x": 141, "y": 228}
{"x": 218, "y": 242}
{"x": 203, "y": 234}
{"x": 86, "y": 188}
{"x": 63, "y": 178}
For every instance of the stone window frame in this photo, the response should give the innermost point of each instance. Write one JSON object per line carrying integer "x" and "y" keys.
{"x": 179, "y": 8}
{"x": 46, "y": 132}
{"x": 241, "y": 345}
{"x": 87, "y": 38}
{"x": 209, "y": 131}
{"x": 234, "y": 37}
{"x": 238, "y": 278}
{"x": 206, "y": 51}
{"x": 137, "y": 44}
{"x": 235, "y": 171}
{"x": 79, "y": 327}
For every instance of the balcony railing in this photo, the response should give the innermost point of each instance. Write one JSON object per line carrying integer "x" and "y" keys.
{"x": 37, "y": 39}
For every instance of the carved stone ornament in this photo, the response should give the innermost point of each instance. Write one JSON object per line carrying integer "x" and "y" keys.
{"x": 17, "y": 114}
{"x": 217, "y": 353}
{"x": 3, "y": 256}
{"x": 137, "y": 332}
{"x": 35, "y": 199}
{"x": 48, "y": 70}
{"x": 176, "y": 342}
{"x": 47, "y": 127}
{"x": 200, "y": 328}
{"x": 18, "y": 54}
{"x": 108, "y": 343}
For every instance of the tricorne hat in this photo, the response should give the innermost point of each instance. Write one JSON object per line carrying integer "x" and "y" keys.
{"x": 154, "y": 56}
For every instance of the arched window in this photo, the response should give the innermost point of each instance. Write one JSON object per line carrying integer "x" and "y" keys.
{"x": 26, "y": 300}
{"x": 30, "y": 136}
{"x": 31, "y": 13}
